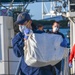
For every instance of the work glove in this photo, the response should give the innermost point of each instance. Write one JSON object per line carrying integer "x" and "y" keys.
{"x": 70, "y": 65}
{"x": 26, "y": 33}
{"x": 64, "y": 43}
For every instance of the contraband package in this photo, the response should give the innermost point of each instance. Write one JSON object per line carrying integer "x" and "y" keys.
{"x": 43, "y": 49}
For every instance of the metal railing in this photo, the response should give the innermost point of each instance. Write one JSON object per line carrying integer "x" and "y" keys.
{"x": 18, "y": 67}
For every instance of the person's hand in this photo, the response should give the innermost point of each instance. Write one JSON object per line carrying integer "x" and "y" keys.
{"x": 70, "y": 65}
{"x": 26, "y": 33}
{"x": 64, "y": 43}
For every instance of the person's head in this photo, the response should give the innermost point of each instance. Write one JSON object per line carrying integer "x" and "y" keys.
{"x": 24, "y": 19}
{"x": 55, "y": 26}
{"x": 40, "y": 27}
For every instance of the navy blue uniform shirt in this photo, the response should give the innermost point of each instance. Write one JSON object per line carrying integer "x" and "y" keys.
{"x": 25, "y": 69}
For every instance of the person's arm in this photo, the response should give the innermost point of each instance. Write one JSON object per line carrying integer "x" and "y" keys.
{"x": 18, "y": 44}
{"x": 63, "y": 43}
{"x": 72, "y": 54}
{"x": 18, "y": 48}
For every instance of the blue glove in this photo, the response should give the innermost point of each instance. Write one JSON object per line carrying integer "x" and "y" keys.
{"x": 70, "y": 65}
{"x": 64, "y": 43}
{"x": 26, "y": 31}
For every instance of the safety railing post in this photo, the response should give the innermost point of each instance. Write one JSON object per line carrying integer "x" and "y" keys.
{"x": 18, "y": 67}
{"x": 64, "y": 65}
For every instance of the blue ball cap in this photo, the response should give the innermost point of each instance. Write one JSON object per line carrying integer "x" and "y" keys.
{"x": 22, "y": 18}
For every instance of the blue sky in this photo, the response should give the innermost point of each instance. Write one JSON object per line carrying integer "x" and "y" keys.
{"x": 35, "y": 9}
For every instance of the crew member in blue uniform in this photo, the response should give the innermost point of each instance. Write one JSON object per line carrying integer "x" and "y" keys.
{"x": 55, "y": 30}
{"x": 18, "y": 44}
